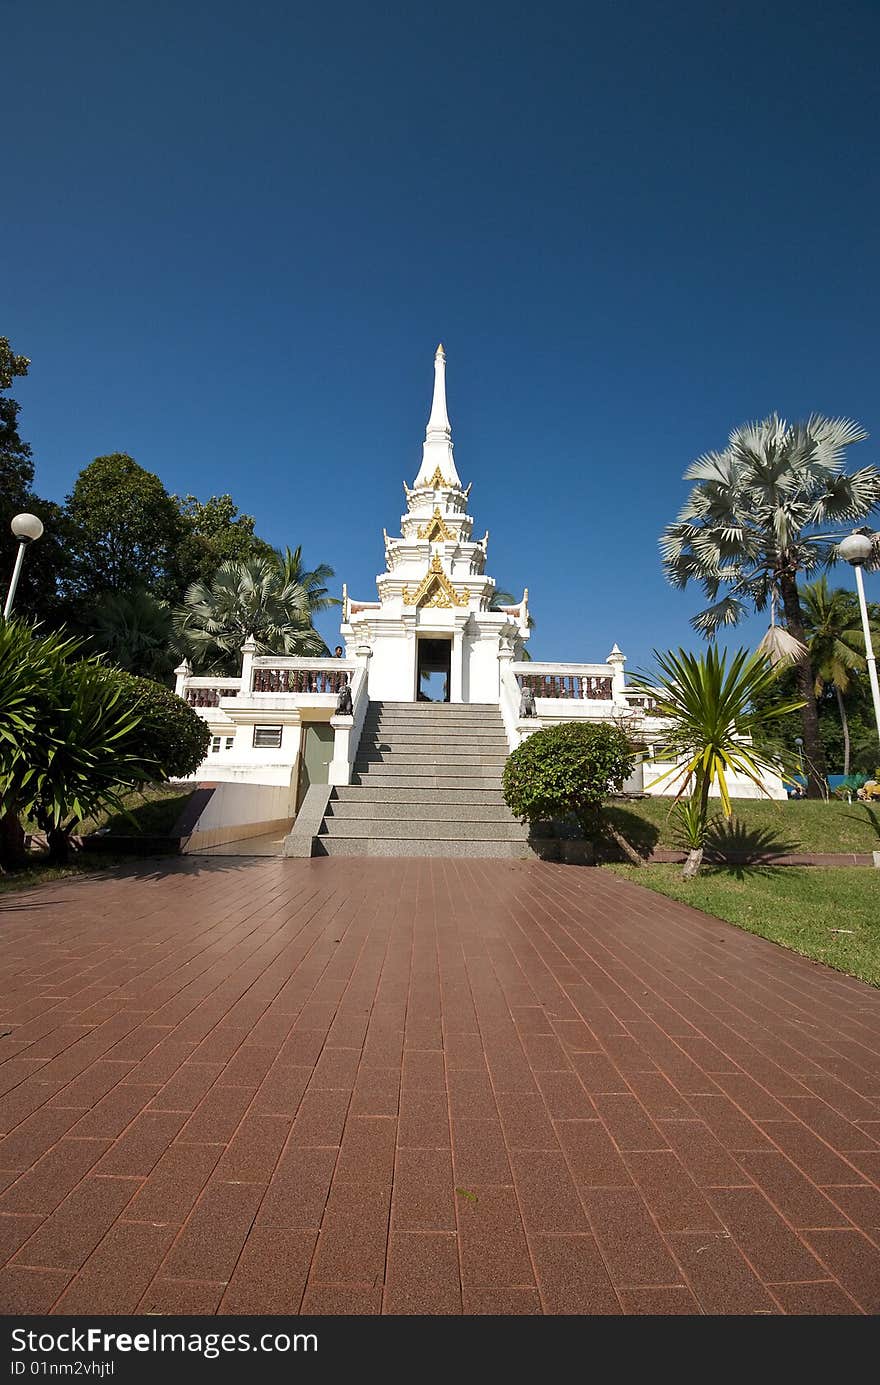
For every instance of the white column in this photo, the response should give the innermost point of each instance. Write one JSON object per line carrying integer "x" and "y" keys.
{"x": 869, "y": 647}
{"x": 182, "y": 674}
{"x": 339, "y": 771}
{"x": 456, "y": 666}
{"x": 248, "y": 650}
{"x": 618, "y": 679}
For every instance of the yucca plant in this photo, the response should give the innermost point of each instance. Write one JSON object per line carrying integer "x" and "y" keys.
{"x": 26, "y": 672}
{"x": 68, "y": 743}
{"x": 710, "y": 717}
{"x": 87, "y": 757}
{"x": 761, "y": 513}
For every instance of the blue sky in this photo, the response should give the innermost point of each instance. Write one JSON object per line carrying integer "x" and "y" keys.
{"x": 233, "y": 236}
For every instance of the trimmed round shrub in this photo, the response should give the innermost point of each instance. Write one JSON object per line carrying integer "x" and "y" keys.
{"x": 567, "y": 770}
{"x": 171, "y": 738}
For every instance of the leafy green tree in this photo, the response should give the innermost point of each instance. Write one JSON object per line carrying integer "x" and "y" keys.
{"x": 836, "y": 643}
{"x": 569, "y": 770}
{"x": 48, "y": 560}
{"x": 16, "y": 465}
{"x": 245, "y": 599}
{"x": 861, "y": 728}
{"x": 126, "y": 526}
{"x": 313, "y": 583}
{"x": 758, "y": 517}
{"x": 135, "y": 632}
{"x": 212, "y": 532}
{"x": 712, "y": 712}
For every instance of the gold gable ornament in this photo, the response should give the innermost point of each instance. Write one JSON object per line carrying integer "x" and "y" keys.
{"x": 435, "y": 589}
{"x": 435, "y": 529}
{"x": 437, "y": 480}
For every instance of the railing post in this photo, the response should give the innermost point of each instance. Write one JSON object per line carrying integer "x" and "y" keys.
{"x": 248, "y": 651}
{"x": 182, "y": 674}
{"x": 618, "y": 678}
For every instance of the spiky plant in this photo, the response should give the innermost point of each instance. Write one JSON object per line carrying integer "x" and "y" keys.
{"x": 709, "y": 711}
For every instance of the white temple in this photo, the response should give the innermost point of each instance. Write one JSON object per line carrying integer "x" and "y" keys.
{"x": 283, "y": 747}
{"x": 434, "y": 609}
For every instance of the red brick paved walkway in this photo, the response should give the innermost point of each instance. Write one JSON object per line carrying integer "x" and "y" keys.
{"x": 426, "y": 1086}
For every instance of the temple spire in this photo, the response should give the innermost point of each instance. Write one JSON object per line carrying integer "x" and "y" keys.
{"x": 437, "y": 451}
{"x": 438, "y": 423}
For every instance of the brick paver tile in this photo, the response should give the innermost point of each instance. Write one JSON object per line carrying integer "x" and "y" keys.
{"x": 297, "y": 1194}
{"x": 29, "y": 1291}
{"x": 422, "y": 1274}
{"x": 719, "y": 1274}
{"x": 824, "y": 1299}
{"x": 797, "y": 1197}
{"x": 271, "y": 1273}
{"x": 423, "y": 1191}
{"x": 211, "y": 1240}
{"x": 853, "y": 1261}
{"x": 775, "y": 1251}
{"x": 675, "y": 1300}
{"x": 354, "y": 1232}
{"x": 170, "y": 1192}
{"x": 116, "y": 1275}
{"x": 631, "y": 1244}
{"x": 67, "y": 1237}
{"x": 342, "y": 1300}
{"x": 492, "y": 1241}
{"x": 357, "y": 1086}
{"x": 572, "y": 1275}
{"x": 182, "y": 1297}
{"x": 670, "y": 1192}
{"x": 547, "y": 1193}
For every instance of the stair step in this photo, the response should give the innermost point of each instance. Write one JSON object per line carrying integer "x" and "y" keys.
{"x": 403, "y": 761}
{"x": 396, "y": 846}
{"x": 382, "y": 793}
{"x": 442, "y": 733}
{"x": 405, "y": 828}
{"x": 395, "y": 780}
{"x": 351, "y": 810}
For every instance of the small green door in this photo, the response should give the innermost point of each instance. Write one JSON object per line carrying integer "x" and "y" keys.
{"x": 315, "y": 756}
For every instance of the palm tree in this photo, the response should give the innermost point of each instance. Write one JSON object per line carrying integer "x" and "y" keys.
{"x": 756, "y": 518}
{"x": 314, "y": 583}
{"x": 712, "y": 719}
{"x": 134, "y": 630}
{"x": 246, "y": 598}
{"x": 834, "y": 639}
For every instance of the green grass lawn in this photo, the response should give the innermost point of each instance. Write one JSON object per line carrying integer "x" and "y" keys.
{"x": 38, "y": 873}
{"x": 803, "y": 908}
{"x": 798, "y": 825}
{"x": 153, "y": 810}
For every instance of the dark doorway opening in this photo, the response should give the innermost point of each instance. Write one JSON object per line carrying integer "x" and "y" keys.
{"x": 434, "y": 672}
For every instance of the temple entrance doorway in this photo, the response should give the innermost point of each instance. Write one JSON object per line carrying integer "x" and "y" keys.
{"x": 433, "y": 669}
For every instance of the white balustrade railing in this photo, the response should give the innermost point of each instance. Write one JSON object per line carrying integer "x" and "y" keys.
{"x": 575, "y": 682}
{"x": 286, "y": 674}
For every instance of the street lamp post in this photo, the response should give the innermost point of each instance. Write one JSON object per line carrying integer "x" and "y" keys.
{"x": 27, "y": 529}
{"x": 856, "y": 549}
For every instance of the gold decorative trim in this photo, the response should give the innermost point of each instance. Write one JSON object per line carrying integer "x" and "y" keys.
{"x": 435, "y": 528}
{"x": 435, "y": 589}
{"x": 437, "y": 479}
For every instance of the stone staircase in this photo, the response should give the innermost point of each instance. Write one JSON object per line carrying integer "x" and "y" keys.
{"x": 427, "y": 782}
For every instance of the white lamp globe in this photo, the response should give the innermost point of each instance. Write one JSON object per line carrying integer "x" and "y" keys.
{"x": 855, "y": 549}
{"x": 27, "y": 528}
